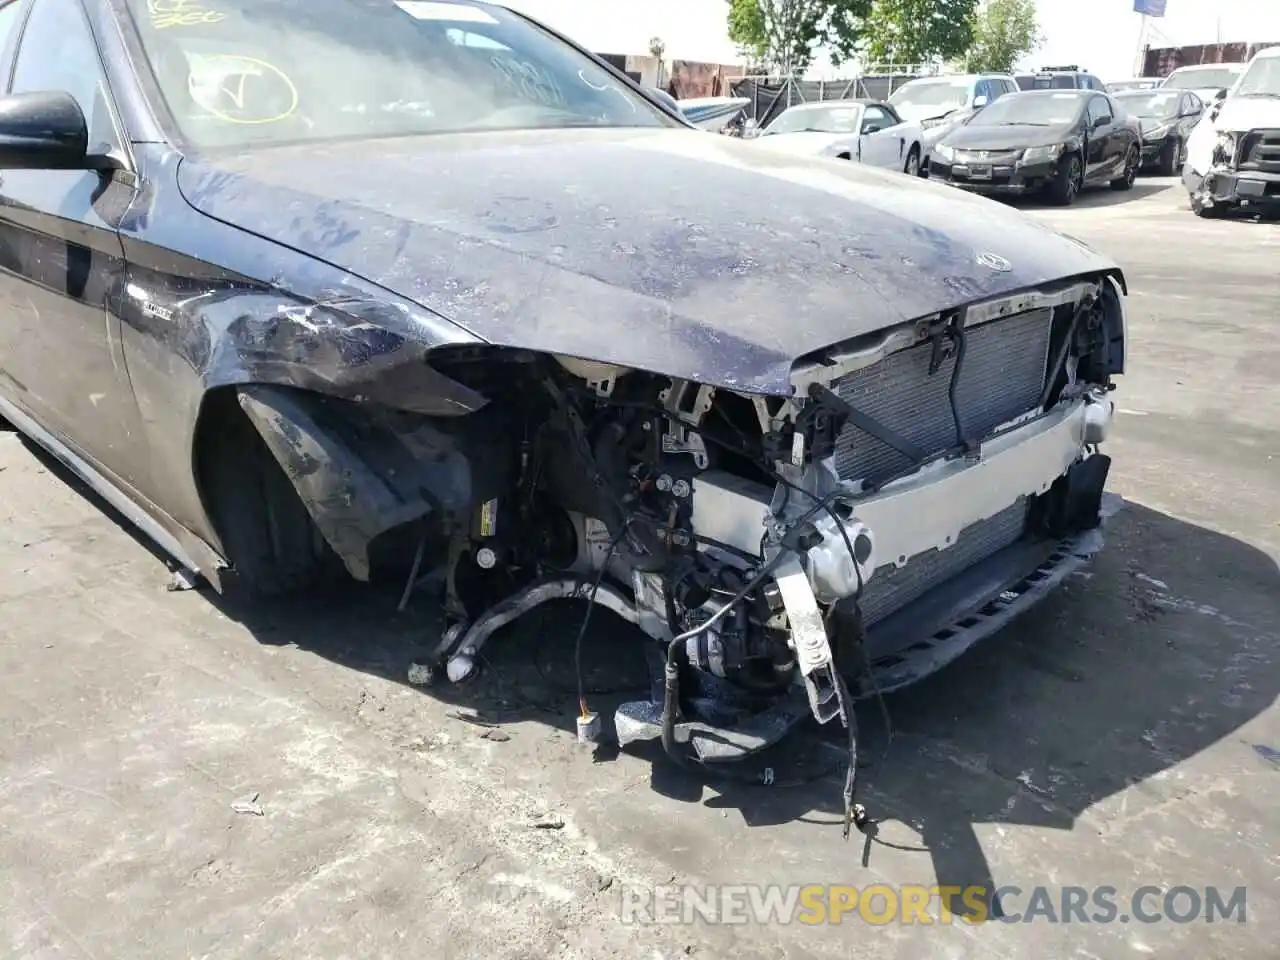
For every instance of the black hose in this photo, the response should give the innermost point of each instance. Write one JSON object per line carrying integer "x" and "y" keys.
{"x": 958, "y": 334}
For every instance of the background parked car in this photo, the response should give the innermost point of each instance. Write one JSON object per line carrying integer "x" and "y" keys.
{"x": 1042, "y": 141}
{"x": 1060, "y": 78}
{"x": 1137, "y": 83}
{"x": 939, "y": 104}
{"x": 867, "y": 131}
{"x": 1208, "y": 81}
{"x": 1167, "y": 118}
{"x": 930, "y": 100}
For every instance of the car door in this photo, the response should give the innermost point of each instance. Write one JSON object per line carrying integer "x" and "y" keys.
{"x": 879, "y": 143}
{"x": 1105, "y": 152}
{"x": 62, "y": 262}
{"x": 1190, "y": 109}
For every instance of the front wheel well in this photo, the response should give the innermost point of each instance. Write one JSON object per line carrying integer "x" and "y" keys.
{"x": 262, "y": 528}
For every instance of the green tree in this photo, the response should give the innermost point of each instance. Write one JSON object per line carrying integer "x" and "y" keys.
{"x": 1004, "y": 31}
{"x": 783, "y": 34}
{"x": 918, "y": 31}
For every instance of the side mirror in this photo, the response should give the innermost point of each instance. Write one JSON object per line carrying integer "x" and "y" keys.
{"x": 1101, "y": 122}
{"x": 1221, "y": 95}
{"x": 871, "y": 126}
{"x": 45, "y": 130}
{"x": 751, "y": 128}
{"x": 980, "y": 101}
{"x": 667, "y": 99}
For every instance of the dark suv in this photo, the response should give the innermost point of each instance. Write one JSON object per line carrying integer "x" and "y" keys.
{"x": 1060, "y": 78}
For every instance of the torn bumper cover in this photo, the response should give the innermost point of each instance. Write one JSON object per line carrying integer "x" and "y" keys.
{"x": 1223, "y": 186}
{"x": 1237, "y": 169}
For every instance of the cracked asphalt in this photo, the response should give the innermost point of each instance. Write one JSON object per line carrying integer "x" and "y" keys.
{"x": 1123, "y": 734}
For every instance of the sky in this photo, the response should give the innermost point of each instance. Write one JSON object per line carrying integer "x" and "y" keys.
{"x": 1099, "y": 35}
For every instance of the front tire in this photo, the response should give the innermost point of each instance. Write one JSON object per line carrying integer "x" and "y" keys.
{"x": 267, "y": 535}
{"x": 912, "y": 168}
{"x": 1171, "y": 158}
{"x": 1132, "y": 161}
{"x": 1065, "y": 186}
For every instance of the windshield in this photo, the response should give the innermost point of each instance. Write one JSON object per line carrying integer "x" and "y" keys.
{"x": 236, "y": 73}
{"x": 946, "y": 94}
{"x": 1261, "y": 79}
{"x": 1202, "y": 78}
{"x": 1059, "y": 81}
{"x": 1034, "y": 109}
{"x": 1158, "y": 104}
{"x": 833, "y": 119}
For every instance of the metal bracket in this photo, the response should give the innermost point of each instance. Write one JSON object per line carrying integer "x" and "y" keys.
{"x": 809, "y": 636}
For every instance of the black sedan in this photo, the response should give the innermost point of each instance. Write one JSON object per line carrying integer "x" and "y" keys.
{"x": 420, "y": 289}
{"x": 1167, "y": 118}
{"x": 1050, "y": 142}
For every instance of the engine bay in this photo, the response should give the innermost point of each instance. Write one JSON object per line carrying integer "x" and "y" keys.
{"x": 754, "y": 540}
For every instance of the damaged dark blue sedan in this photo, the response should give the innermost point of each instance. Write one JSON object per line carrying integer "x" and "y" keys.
{"x": 309, "y": 286}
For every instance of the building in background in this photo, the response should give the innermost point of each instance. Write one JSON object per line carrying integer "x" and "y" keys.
{"x": 1161, "y": 61}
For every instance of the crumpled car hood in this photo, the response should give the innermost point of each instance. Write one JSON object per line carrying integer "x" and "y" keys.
{"x": 696, "y": 256}
{"x": 1238, "y": 115}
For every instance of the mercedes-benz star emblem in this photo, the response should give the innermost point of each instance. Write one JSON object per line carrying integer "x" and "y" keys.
{"x": 993, "y": 262}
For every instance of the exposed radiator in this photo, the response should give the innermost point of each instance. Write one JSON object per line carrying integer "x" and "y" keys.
{"x": 1002, "y": 378}
{"x": 892, "y": 588}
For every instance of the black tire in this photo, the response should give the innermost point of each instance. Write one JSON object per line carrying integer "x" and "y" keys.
{"x": 1170, "y": 158}
{"x": 1132, "y": 161}
{"x": 1065, "y": 186}
{"x": 1205, "y": 212}
{"x": 912, "y": 166}
{"x": 267, "y": 535}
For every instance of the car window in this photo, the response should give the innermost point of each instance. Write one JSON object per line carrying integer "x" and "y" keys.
{"x": 57, "y": 52}
{"x": 8, "y": 20}
{"x": 835, "y": 117}
{"x": 877, "y": 116}
{"x": 238, "y": 73}
{"x": 1099, "y": 109}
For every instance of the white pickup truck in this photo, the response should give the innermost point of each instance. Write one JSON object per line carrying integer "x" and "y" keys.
{"x": 1233, "y": 155}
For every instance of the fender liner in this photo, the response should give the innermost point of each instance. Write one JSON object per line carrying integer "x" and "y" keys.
{"x": 359, "y": 470}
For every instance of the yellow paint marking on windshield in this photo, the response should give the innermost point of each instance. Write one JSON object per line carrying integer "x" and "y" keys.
{"x": 181, "y": 13}
{"x": 235, "y": 70}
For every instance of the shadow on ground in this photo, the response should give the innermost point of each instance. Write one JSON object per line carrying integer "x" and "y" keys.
{"x": 1165, "y": 647}
{"x": 1095, "y": 197}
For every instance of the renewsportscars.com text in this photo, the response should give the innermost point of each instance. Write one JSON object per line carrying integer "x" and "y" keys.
{"x": 881, "y": 904}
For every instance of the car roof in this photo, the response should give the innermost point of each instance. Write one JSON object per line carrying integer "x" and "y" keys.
{"x": 1057, "y": 92}
{"x": 1211, "y": 66}
{"x": 1266, "y": 53}
{"x": 842, "y": 102}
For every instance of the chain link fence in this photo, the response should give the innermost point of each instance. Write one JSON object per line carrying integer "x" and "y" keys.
{"x": 769, "y": 95}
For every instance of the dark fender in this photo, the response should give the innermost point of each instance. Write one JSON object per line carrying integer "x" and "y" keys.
{"x": 191, "y": 330}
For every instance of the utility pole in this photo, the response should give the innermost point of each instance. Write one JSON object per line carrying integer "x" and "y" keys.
{"x": 1141, "y": 56}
